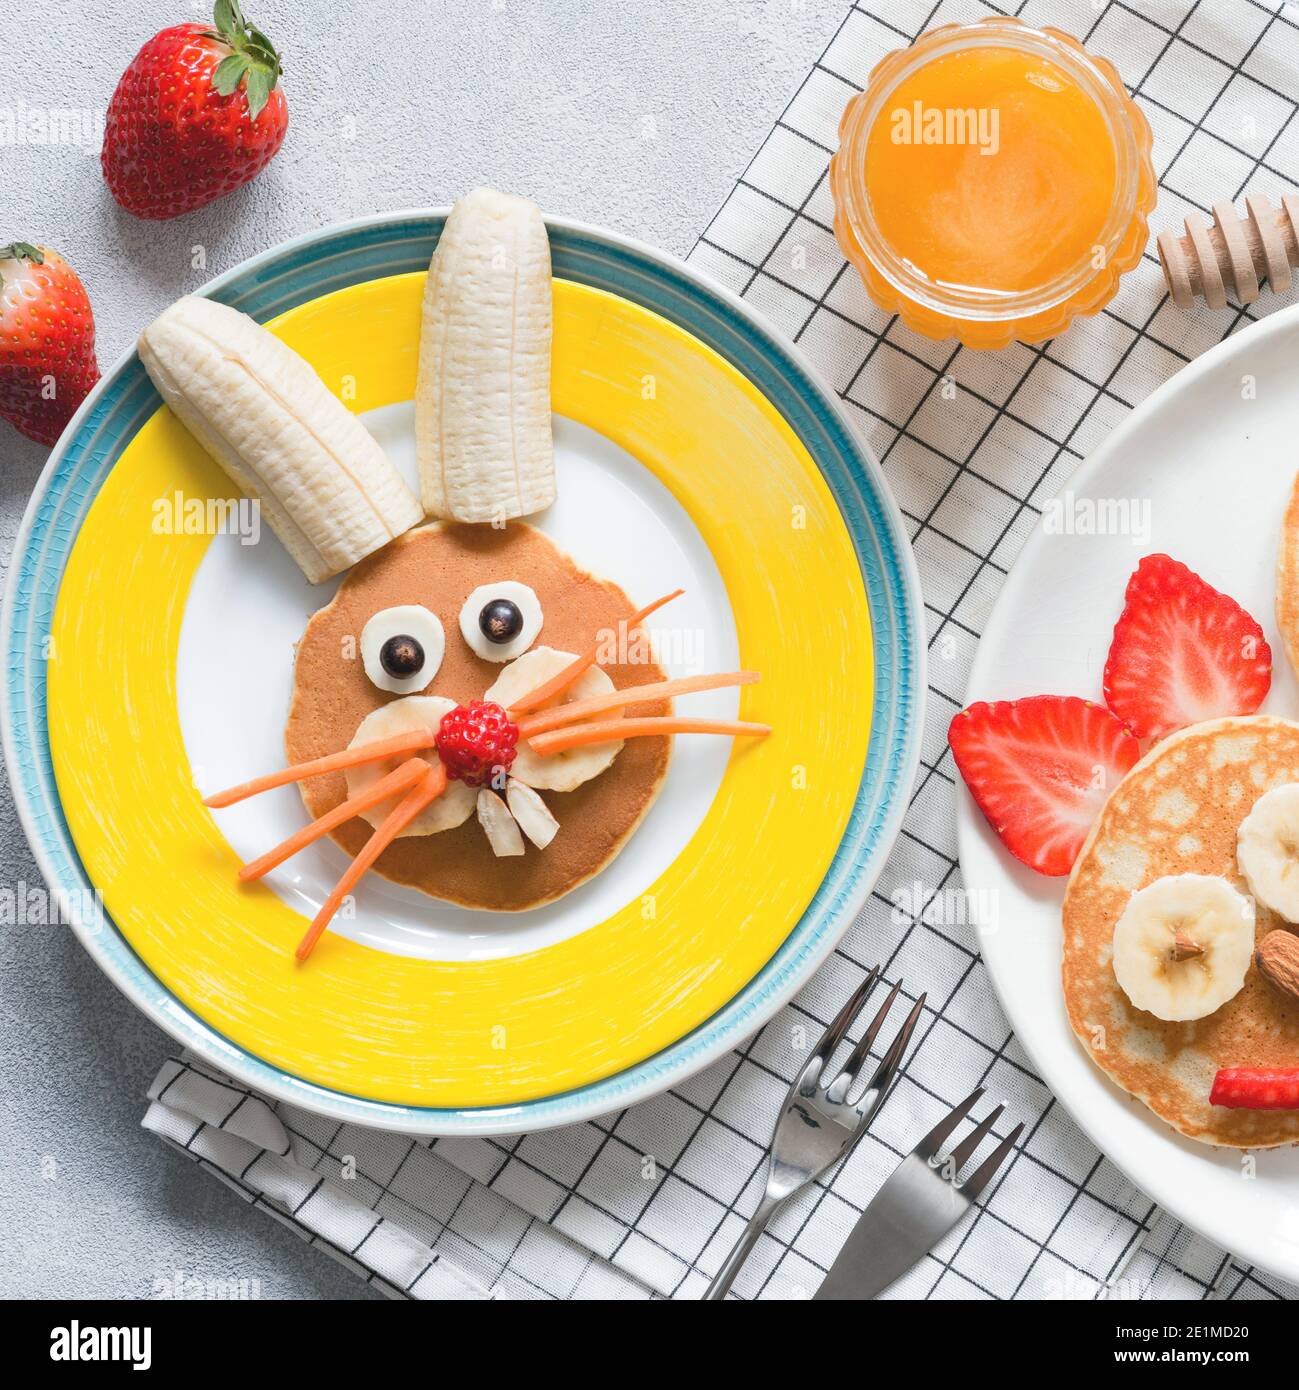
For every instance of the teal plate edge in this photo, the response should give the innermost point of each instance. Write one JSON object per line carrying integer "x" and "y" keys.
{"x": 393, "y": 244}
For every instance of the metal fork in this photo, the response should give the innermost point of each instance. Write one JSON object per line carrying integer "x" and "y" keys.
{"x": 919, "y": 1203}
{"x": 819, "y": 1125}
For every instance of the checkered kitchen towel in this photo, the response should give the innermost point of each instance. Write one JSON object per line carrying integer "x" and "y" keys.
{"x": 650, "y": 1200}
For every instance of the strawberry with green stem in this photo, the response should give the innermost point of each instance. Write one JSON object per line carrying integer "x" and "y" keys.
{"x": 198, "y": 113}
{"x": 47, "y": 341}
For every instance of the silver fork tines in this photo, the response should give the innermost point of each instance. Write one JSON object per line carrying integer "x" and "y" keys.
{"x": 964, "y": 1151}
{"x": 934, "y": 1140}
{"x": 922, "y": 1199}
{"x": 951, "y": 1166}
{"x": 987, "y": 1170}
{"x": 818, "y": 1124}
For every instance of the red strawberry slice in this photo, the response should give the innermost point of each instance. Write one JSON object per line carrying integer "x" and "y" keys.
{"x": 1040, "y": 770}
{"x": 1256, "y": 1088}
{"x": 1182, "y": 652}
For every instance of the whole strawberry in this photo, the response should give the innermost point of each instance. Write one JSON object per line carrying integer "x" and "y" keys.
{"x": 47, "y": 341}
{"x": 195, "y": 116}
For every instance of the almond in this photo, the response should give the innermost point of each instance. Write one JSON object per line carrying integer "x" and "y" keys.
{"x": 1277, "y": 956}
{"x": 1184, "y": 948}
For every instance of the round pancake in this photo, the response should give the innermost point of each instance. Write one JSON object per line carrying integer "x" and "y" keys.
{"x": 1176, "y": 812}
{"x": 1287, "y": 579}
{"x": 438, "y": 566}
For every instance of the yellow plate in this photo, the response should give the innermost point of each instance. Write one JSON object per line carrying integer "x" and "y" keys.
{"x": 477, "y": 1033}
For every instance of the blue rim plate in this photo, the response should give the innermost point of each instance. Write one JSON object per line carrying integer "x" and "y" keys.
{"x": 393, "y": 244}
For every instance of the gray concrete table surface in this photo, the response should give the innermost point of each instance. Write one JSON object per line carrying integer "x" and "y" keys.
{"x": 629, "y": 113}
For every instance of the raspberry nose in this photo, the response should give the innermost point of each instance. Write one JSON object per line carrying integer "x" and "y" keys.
{"x": 477, "y": 742}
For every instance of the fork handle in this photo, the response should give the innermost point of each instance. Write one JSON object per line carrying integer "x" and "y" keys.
{"x": 725, "y": 1276}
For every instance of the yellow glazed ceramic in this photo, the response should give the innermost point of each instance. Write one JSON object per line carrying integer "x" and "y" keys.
{"x": 477, "y": 1033}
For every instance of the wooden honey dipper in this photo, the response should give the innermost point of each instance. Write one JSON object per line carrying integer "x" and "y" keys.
{"x": 1233, "y": 254}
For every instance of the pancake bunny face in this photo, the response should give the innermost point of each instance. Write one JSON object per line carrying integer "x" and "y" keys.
{"x": 439, "y": 568}
{"x": 475, "y": 716}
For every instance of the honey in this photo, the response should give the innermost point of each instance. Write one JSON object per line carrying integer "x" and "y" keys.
{"x": 992, "y": 182}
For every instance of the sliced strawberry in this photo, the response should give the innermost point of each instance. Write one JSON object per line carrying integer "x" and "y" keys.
{"x": 1040, "y": 770}
{"x": 1182, "y": 652}
{"x": 1256, "y": 1088}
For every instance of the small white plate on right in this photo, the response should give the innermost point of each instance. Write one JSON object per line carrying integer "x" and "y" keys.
{"x": 1202, "y": 471}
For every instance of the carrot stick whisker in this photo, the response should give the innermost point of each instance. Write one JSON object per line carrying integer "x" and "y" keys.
{"x": 611, "y": 730}
{"x": 396, "y": 781}
{"x": 561, "y": 680}
{"x": 574, "y": 710}
{"x": 422, "y": 794}
{"x": 371, "y": 752}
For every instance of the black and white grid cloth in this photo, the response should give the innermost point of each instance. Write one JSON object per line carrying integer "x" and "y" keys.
{"x": 649, "y": 1201}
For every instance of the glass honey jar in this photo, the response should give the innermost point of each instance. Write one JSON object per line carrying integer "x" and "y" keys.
{"x": 992, "y": 183}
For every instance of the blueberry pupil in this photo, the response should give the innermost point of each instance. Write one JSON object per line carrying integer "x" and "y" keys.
{"x": 401, "y": 656}
{"x": 500, "y": 620}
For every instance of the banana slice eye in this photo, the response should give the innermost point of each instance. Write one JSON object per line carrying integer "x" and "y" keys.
{"x": 401, "y": 648}
{"x": 501, "y": 621}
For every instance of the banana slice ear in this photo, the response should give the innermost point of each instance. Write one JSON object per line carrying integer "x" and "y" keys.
{"x": 323, "y": 483}
{"x": 482, "y": 398}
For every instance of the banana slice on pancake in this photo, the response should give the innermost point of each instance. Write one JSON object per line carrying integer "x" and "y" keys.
{"x": 1183, "y": 945}
{"x": 499, "y": 825}
{"x": 1267, "y": 850}
{"x": 405, "y": 716}
{"x": 1287, "y": 579}
{"x": 557, "y": 772}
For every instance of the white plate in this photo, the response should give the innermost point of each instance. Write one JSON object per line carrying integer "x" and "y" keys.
{"x": 1214, "y": 452}
{"x": 398, "y": 243}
